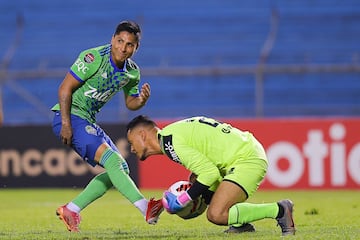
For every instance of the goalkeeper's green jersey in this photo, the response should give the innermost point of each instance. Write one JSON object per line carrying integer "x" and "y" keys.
{"x": 101, "y": 79}
{"x": 208, "y": 147}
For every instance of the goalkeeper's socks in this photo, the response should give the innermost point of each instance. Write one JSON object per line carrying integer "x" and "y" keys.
{"x": 281, "y": 211}
{"x": 118, "y": 172}
{"x": 96, "y": 188}
{"x": 247, "y": 212}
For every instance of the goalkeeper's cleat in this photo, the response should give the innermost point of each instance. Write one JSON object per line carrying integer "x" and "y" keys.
{"x": 246, "y": 227}
{"x": 286, "y": 222}
{"x": 69, "y": 218}
{"x": 153, "y": 211}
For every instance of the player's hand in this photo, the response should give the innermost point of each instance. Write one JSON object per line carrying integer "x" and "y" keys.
{"x": 170, "y": 203}
{"x": 173, "y": 203}
{"x": 145, "y": 93}
{"x": 66, "y": 135}
{"x": 192, "y": 177}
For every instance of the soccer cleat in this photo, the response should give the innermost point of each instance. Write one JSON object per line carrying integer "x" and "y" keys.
{"x": 154, "y": 209}
{"x": 246, "y": 227}
{"x": 286, "y": 222}
{"x": 69, "y": 218}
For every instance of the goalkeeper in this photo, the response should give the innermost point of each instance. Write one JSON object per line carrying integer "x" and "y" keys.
{"x": 228, "y": 162}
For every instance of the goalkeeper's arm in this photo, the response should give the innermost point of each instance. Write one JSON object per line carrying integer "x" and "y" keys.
{"x": 206, "y": 194}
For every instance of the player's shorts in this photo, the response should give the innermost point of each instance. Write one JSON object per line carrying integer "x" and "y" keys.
{"x": 248, "y": 173}
{"x": 87, "y": 137}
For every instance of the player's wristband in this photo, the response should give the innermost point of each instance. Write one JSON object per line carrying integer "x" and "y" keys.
{"x": 197, "y": 189}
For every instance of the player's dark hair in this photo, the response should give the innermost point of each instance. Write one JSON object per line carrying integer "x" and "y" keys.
{"x": 140, "y": 120}
{"x": 129, "y": 26}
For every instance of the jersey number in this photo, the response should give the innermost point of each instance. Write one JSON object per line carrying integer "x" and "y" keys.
{"x": 215, "y": 124}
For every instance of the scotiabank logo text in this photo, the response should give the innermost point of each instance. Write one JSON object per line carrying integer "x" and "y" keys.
{"x": 334, "y": 162}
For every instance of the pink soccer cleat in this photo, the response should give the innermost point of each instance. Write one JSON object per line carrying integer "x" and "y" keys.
{"x": 69, "y": 218}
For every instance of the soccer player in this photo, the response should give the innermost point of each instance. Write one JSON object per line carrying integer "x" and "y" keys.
{"x": 94, "y": 78}
{"x": 225, "y": 160}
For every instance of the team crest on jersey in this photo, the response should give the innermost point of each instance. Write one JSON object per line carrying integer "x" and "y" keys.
{"x": 90, "y": 130}
{"x": 89, "y": 58}
{"x": 169, "y": 148}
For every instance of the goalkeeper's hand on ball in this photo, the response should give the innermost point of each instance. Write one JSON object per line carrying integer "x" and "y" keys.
{"x": 173, "y": 203}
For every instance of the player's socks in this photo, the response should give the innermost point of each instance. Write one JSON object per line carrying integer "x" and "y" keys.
{"x": 96, "y": 188}
{"x": 118, "y": 172}
{"x": 247, "y": 212}
{"x": 142, "y": 205}
{"x": 73, "y": 207}
{"x": 281, "y": 211}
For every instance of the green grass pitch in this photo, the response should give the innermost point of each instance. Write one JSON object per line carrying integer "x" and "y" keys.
{"x": 30, "y": 214}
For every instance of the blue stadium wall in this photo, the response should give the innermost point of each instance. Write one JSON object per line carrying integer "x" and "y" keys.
{"x": 189, "y": 36}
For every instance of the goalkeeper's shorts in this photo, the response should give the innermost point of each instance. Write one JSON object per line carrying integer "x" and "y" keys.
{"x": 248, "y": 174}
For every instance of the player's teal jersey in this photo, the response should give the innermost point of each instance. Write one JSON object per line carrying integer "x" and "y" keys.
{"x": 208, "y": 147}
{"x": 101, "y": 79}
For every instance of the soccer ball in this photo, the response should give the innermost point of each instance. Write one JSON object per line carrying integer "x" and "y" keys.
{"x": 195, "y": 207}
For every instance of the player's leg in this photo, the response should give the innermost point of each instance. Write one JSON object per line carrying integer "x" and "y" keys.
{"x": 228, "y": 206}
{"x": 247, "y": 176}
{"x": 70, "y": 217}
{"x": 84, "y": 133}
{"x": 95, "y": 189}
{"x": 236, "y": 188}
{"x": 96, "y": 147}
{"x": 70, "y": 213}
{"x": 110, "y": 158}
{"x": 112, "y": 161}
{"x": 241, "y": 213}
{"x": 101, "y": 183}
{"x": 118, "y": 172}
{"x": 236, "y": 228}
{"x": 87, "y": 138}
{"x": 225, "y": 196}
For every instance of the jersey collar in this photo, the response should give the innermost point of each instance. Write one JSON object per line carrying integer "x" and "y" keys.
{"x": 116, "y": 67}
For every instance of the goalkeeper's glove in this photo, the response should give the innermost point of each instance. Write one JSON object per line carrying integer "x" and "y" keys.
{"x": 173, "y": 203}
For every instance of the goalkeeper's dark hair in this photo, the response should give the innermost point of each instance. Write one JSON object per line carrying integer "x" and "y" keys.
{"x": 140, "y": 120}
{"x": 129, "y": 26}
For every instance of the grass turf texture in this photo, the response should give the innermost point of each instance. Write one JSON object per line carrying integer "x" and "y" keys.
{"x": 30, "y": 214}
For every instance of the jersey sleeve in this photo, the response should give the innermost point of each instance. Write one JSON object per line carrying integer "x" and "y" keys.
{"x": 198, "y": 163}
{"x": 86, "y": 65}
{"x": 181, "y": 152}
{"x": 133, "y": 73}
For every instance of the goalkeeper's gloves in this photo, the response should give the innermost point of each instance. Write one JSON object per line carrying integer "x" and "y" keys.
{"x": 173, "y": 203}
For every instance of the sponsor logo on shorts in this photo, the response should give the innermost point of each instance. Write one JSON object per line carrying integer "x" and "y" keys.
{"x": 89, "y": 58}
{"x": 90, "y": 130}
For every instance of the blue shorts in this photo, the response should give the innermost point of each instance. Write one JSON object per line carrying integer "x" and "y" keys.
{"x": 87, "y": 137}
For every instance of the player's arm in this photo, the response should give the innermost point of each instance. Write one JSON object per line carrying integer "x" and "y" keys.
{"x": 173, "y": 203}
{"x": 207, "y": 194}
{"x": 85, "y": 66}
{"x": 207, "y": 173}
{"x": 136, "y": 102}
{"x": 67, "y": 87}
